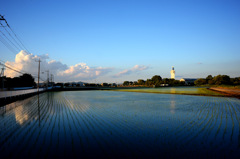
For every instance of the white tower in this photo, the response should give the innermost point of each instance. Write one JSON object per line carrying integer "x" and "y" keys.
{"x": 172, "y": 73}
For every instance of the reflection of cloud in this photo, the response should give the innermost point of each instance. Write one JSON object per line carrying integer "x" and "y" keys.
{"x": 136, "y": 68}
{"x": 82, "y": 107}
{"x": 20, "y": 115}
{"x": 25, "y": 62}
{"x": 172, "y": 106}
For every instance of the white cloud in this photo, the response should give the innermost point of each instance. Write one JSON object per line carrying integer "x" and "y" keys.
{"x": 136, "y": 68}
{"x": 26, "y": 62}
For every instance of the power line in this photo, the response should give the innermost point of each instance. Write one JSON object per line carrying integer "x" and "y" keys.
{"x": 12, "y": 68}
{"x": 9, "y": 40}
{"x": 12, "y": 49}
{"x": 8, "y": 45}
{"x": 15, "y": 68}
{"x": 10, "y": 35}
{"x": 21, "y": 72}
{"x": 2, "y": 18}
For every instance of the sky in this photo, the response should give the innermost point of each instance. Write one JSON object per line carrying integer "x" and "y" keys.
{"x": 123, "y": 40}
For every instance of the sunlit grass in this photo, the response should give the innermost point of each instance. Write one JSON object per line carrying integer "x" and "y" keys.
{"x": 175, "y": 90}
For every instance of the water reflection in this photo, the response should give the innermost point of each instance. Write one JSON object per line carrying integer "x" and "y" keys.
{"x": 172, "y": 105}
{"x": 20, "y": 115}
{"x": 120, "y": 125}
{"x": 173, "y": 90}
{"x": 39, "y": 114}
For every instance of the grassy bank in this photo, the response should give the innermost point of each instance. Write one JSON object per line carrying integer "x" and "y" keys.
{"x": 202, "y": 91}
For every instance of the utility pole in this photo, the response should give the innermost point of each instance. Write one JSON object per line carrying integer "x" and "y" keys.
{"x": 52, "y": 79}
{"x": 2, "y": 75}
{"x": 47, "y": 78}
{"x": 38, "y": 72}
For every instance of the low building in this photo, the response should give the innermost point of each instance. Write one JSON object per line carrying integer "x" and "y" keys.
{"x": 164, "y": 85}
{"x": 188, "y": 81}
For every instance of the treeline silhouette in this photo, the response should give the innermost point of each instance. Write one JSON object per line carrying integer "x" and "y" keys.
{"x": 25, "y": 80}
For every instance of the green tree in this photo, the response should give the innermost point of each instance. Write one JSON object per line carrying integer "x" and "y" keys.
{"x": 166, "y": 81}
{"x": 156, "y": 79}
{"x": 141, "y": 82}
{"x": 149, "y": 82}
{"x": 221, "y": 79}
{"x": 208, "y": 78}
{"x": 126, "y": 83}
{"x": 200, "y": 81}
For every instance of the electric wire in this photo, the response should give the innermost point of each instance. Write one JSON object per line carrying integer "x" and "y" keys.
{"x": 15, "y": 34}
{"x": 21, "y": 72}
{"x": 7, "y": 45}
{"x": 10, "y": 35}
{"x": 15, "y": 68}
{"x": 11, "y": 48}
{"x": 9, "y": 40}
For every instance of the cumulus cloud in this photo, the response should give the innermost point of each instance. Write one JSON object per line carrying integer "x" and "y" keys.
{"x": 26, "y": 62}
{"x": 136, "y": 68}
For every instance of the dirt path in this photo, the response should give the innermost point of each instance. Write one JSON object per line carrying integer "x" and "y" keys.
{"x": 227, "y": 91}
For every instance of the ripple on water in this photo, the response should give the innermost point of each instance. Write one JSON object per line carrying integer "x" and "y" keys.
{"x": 119, "y": 125}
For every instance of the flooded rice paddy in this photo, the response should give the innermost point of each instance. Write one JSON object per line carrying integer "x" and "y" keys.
{"x": 114, "y": 124}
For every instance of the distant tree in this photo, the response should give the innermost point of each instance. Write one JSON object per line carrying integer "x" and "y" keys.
{"x": 126, "y": 83}
{"x": 221, "y": 79}
{"x": 130, "y": 83}
{"x": 171, "y": 82}
{"x": 165, "y": 81}
{"x": 209, "y": 77}
{"x": 210, "y": 82}
{"x": 200, "y": 81}
{"x": 141, "y": 82}
{"x": 59, "y": 84}
{"x": 66, "y": 84}
{"x": 105, "y": 84}
{"x": 235, "y": 81}
{"x": 149, "y": 82}
{"x": 156, "y": 79}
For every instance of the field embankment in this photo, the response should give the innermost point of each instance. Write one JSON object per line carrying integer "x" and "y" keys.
{"x": 227, "y": 91}
{"x": 199, "y": 91}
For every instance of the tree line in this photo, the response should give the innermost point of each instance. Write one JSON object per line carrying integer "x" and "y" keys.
{"x": 25, "y": 80}
{"x": 218, "y": 80}
{"x": 155, "y": 81}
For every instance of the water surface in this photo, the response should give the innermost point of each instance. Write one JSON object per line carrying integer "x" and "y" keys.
{"x": 114, "y": 124}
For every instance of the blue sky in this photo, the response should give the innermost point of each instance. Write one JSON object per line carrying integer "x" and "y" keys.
{"x": 198, "y": 37}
